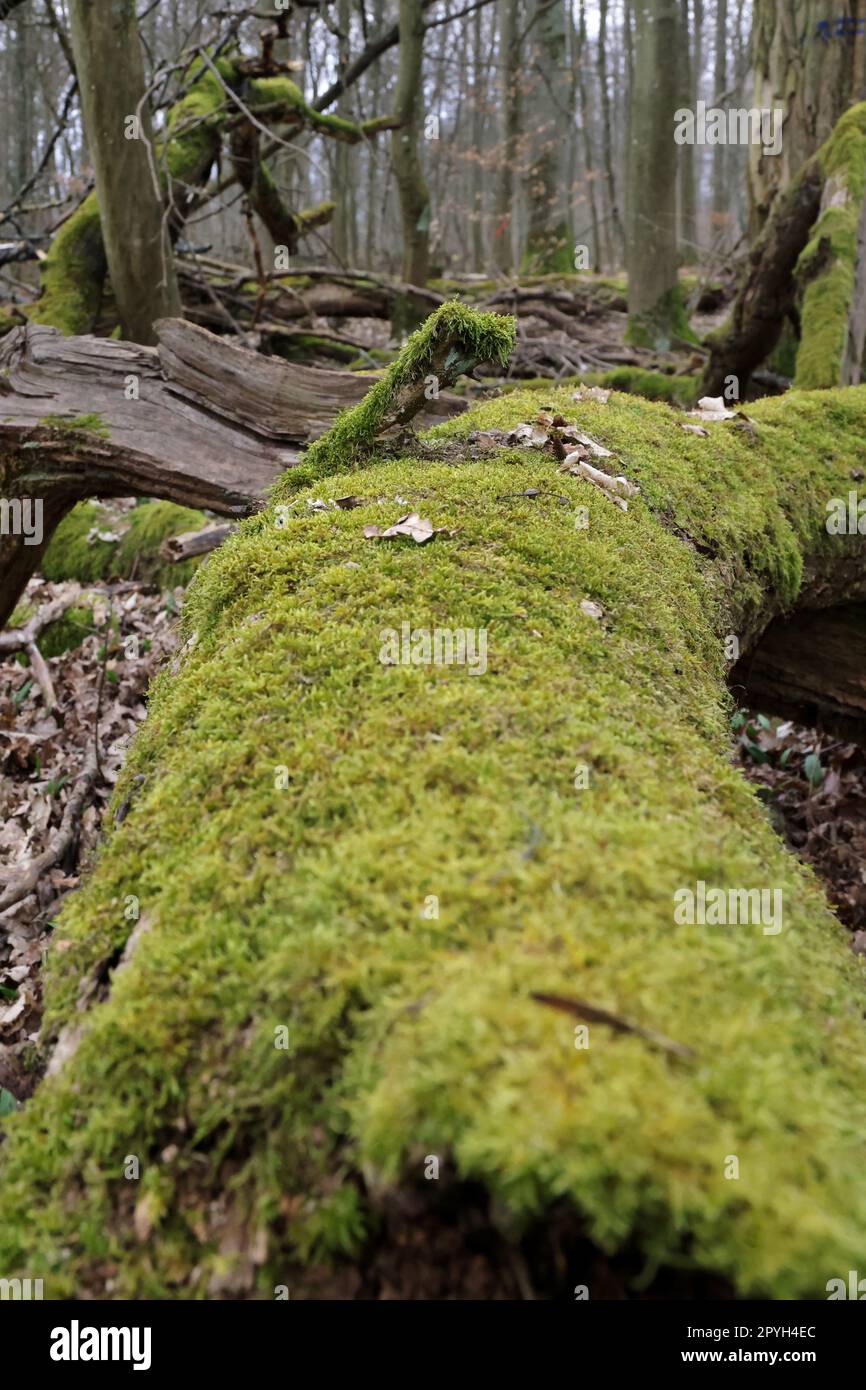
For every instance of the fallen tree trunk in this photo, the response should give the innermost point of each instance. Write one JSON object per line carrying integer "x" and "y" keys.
{"x": 375, "y": 874}
{"x": 196, "y": 420}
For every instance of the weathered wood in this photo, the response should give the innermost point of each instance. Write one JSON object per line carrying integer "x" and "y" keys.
{"x": 811, "y": 667}
{"x": 769, "y": 289}
{"x": 329, "y": 294}
{"x": 189, "y": 544}
{"x": 197, "y": 420}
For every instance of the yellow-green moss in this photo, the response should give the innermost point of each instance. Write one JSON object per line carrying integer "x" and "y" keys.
{"x": 654, "y": 386}
{"x": 473, "y": 338}
{"x": 10, "y": 320}
{"x": 73, "y": 273}
{"x": 78, "y": 424}
{"x": 282, "y": 92}
{"x": 827, "y": 265}
{"x": 412, "y": 1033}
{"x": 70, "y": 555}
{"x": 192, "y": 138}
{"x": 660, "y": 326}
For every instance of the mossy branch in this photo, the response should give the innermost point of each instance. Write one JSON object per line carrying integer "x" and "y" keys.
{"x": 454, "y": 339}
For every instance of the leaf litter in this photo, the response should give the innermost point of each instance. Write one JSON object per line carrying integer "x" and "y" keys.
{"x": 52, "y": 759}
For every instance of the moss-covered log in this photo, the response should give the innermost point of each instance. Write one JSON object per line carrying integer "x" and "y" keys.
{"x": 77, "y": 552}
{"x": 357, "y": 868}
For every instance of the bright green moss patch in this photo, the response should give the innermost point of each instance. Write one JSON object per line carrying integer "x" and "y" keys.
{"x": 86, "y": 424}
{"x": 678, "y": 391}
{"x": 10, "y": 320}
{"x": 281, "y": 92}
{"x": 68, "y": 632}
{"x": 654, "y": 386}
{"x": 380, "y": 864}
{"x": 72, "y": 554}
{"x": 549, "y": 252}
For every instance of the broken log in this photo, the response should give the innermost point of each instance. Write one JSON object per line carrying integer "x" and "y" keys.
{"x": 191, "y": 543}
{"x": 196, "y": 420}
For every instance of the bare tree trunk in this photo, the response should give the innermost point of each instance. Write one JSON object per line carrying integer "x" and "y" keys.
{"x": 654, "y": 304}
{"x": 344, "y": 160}
{"x": 509, "y": 64}
{"x": 690, "y": 47}
{"x": 769, "y": 290}
{"x": 720, "y": 70}
{"x": 23, "y": 123}
{"x": 588, "y": 159}
{"x": 806, "y": 71}
{"x": 476, "y": 182}
{"x": 215, "y": 425}
{"x": 615, "y": 235}
{"x": 409, "y": 110}
{"x": 111, "y": 81}
{"x": 548, "y": 239}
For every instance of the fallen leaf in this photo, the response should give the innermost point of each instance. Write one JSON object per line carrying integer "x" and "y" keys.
{"x": 591, "y": 393}
{"x": 713, "y": 408}
{"x": 419, "y": 528}
{"x": 592, "y": 609}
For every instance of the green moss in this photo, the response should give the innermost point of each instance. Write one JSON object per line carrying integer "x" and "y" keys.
{"x": 194, "y": 123}
{"x": 71, "y": 556}
{"x": 299, "y": 347}
{"x": 11, "y": 320}
{"x": 655, "y": 386}
{"x": 282, "y": 92}
{"x": 413, "y": 1032}
{"x": 827, "y": 265}
{"x": 63, "y": 636}
{"x": 549, "y": 253}
{"x": 78, "y": 424}
{"x": 68, "y": 632}
{"x": 73, "y": 273}
{"x": 678, "y": 391}
{"x": 784, "y": 356}
{"x": 475, "y": 338}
